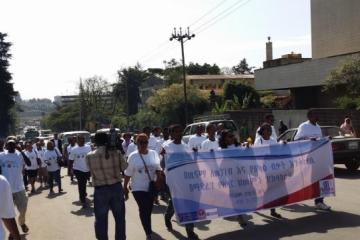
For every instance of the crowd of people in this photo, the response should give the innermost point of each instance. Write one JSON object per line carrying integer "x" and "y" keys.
{"x": 138, "y": 160}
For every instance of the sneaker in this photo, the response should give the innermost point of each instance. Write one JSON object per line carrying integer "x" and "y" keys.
{"x": 242, "y": 221}
{"x": 24, "y": 228}
{"x": 149, "y": 237}
{"x": 322, "y": 206}
{"x": 168, "y": 223}
{"x": 275, "y": 214}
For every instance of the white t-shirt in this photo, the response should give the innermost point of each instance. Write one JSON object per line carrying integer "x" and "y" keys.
{"x": 40, "y": 153}
{"x": 209, "y": 145}
{"x": 12, "y": 165}
{"x": 68, "y": 149}
{"x": 261, "y": 141}
{"x": 195, "y": 141}
{"x": 307, "y": 130}
{"x": 33, "y": 159}
{"x": 78, "y": 155}
{"x": 136, "y": 169}
{"x": 50, "y": 158}
{"x": 273, "y": 133}
{"x": 131, "y": 148}
{"x": 125, "y": 145}
{"x": 154, "y": 144}
{"x": 6, "y": 204}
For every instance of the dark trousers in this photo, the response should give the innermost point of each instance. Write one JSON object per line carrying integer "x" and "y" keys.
{"x": 109, "y": 197}
{"x": 144, "y": 201}
{"x": 319, "y": 200}
{"x": 54, "y": 176}
{"x": 70, "y": 170}
{"x": 82, "y": 178}
{"x": 25, "y": 179}
{"x": 170, "y": 212}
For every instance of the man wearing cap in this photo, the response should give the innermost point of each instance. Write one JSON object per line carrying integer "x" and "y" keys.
{"x": 12, "y": 165}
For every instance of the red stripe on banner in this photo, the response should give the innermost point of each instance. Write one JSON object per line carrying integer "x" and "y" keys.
{"x": 309, "y": 192}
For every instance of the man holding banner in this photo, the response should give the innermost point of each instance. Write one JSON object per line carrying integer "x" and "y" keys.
{"x": 176, "y": 146}
{"x": 311, "y": 130}
{"x": 234, "y": 181}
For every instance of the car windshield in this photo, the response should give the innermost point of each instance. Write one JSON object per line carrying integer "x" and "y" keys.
{"x": 332, "y": 131}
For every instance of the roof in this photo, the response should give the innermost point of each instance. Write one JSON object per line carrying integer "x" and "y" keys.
{"x": 224, "y": 77}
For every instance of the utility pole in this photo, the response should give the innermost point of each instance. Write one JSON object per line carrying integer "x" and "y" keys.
{"x": 127, "y": 103}
{"x": 180, "y": 36}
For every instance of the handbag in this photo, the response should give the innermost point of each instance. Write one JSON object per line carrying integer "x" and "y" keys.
{"x": 152, "y": 185}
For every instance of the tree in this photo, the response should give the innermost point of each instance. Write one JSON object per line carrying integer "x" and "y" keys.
{"x": 347, "y": 77}
{"x": 241, "y": 94}
{"x": 197, "y": 69}
{"x": 129, "y": 82}
{"x": 169, "y": 104}
{"x": 7, "y": 92}
{"x": 173, "y": 72}
{"x": 242, "y": 67}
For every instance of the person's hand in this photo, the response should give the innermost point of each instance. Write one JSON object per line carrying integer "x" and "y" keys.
{"x": 126, "y": 193}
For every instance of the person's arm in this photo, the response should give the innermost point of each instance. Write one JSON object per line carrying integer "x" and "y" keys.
{"x": 11, "y": 226}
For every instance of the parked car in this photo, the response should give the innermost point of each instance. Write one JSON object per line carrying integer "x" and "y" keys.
{"x": 191, "y": 128}
{"x": 65, "y": 135}
{"x": 346, "y": 149}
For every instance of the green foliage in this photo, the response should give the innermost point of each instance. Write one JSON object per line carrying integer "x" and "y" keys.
{"x": 127, "y": 89}
{"x": 241, "y": 94}
{"x": 348, "y": 102}
{"x": 66, "y": 118}
{"x": 267, "y": 99}
{"x": 7, "y": 93}
{"x": 242, "y": 67}
{"x": 197, "y": 69}
{"x": 169, "y": 103}
{"x": 173, "y": 72}
{"x": 347, "y": 76}
{"x": 220, "y": 108}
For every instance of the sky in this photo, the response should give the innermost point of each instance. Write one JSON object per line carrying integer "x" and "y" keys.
{"x": 56, "y": 43}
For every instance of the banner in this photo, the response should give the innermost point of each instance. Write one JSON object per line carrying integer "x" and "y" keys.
{"x": 209, "y": 185}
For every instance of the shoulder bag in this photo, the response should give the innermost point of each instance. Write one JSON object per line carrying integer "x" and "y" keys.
{"x": 152, "y": 185}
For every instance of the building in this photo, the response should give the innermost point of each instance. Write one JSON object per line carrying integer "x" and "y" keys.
{"x": 335, "y": 40}
{"x": 216, "y": 82}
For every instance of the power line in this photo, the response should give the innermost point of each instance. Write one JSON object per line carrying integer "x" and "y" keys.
{"x": 231, "y": 12}
{"x": 207, "y": 13}
{"x": 222, "y": 15}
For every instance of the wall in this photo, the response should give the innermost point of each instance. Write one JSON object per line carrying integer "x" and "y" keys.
{"x": 335, "y": 27}
{"x": 252, "y": 118}
{"x": 305, "y": 74}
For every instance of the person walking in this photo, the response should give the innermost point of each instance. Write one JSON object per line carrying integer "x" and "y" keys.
{"x": 282, "y": 127}
{"x": 7, "y": 211}
{"x": 51, "y": 158}
{"x": 144, "y": 167}
{"x": 176, "y": 145}
{"x": 12, "y": 165}
{"x": 211, "y": 143}
{"x": 269, "y": 118}
{"x": 196, "y": 140}
{"x": 43, "y": 173}
{"x": 105, "y": 167}
{"x": 265, "y": 138}
{"x": 70, "y": 162}
{"x": 81, "y": 170}
{"x": 311, "y": 130}
{"x": 31, "y": 170}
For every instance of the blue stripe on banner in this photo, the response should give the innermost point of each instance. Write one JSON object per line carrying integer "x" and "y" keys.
{"x": 278, "y": 151}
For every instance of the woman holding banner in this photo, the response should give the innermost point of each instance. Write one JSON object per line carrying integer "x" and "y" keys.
{"x": 144, "y": 167}
{"x": 265, "y": 138}
{"x": 227, "y": 140}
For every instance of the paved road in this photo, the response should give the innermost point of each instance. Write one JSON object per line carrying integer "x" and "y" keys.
{"x": 61, "y": 217}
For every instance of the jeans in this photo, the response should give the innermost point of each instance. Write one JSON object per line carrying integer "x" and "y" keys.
{"x": 109, "y": 197}
{"x": 54, "y": 176}
{"x": 82, "y": 178}
{"x": 144, "y": 201}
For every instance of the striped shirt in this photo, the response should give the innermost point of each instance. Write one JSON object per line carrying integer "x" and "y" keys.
{"x": 105, "y": 171}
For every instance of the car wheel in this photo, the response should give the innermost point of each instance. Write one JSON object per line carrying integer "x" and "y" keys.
{"x": 353, "y": 164}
